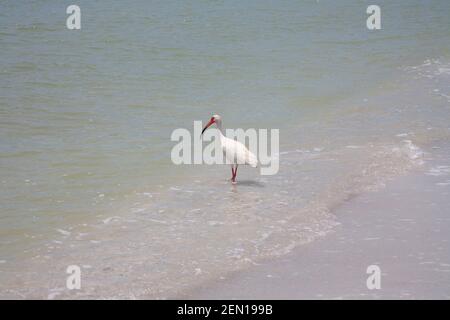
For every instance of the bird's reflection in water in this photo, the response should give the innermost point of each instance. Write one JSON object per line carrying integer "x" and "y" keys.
{"x": 246, "y": 183}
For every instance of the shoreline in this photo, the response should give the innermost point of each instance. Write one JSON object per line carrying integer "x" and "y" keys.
{"x": 402, "y": 228}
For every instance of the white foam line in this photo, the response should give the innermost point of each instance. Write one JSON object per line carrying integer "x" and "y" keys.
{"x": 108, "y": 220}
{"x": 64, "y": 232}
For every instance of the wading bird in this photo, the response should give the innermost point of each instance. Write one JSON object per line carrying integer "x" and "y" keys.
{"x": 235, "y": 152}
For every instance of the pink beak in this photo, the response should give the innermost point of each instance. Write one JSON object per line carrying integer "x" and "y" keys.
{"x": 208, "y": 125}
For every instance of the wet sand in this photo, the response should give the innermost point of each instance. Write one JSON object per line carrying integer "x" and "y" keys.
{"x": 403, "y": 228}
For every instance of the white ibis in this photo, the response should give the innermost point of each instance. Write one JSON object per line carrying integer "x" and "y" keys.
{"x": 235, "y": 152}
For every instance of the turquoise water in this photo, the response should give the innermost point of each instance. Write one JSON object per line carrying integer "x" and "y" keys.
{"x": 86, "y": 118}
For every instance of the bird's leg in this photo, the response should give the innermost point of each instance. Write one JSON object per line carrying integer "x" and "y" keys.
{"x": 233, "y": 171}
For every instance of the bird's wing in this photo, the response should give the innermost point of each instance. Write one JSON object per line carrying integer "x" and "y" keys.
{"x": 235, "y": 150}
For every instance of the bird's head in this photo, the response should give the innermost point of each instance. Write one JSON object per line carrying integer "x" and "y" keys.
{"x": 214, "y": 119}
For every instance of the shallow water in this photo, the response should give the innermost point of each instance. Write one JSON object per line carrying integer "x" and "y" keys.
{"x": 86, "y": 117}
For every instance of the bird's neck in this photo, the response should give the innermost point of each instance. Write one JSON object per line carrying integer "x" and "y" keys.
{"x": 219, "y": 127}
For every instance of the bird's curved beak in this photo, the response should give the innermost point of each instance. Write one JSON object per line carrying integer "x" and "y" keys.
{"x": 207, "y": 125}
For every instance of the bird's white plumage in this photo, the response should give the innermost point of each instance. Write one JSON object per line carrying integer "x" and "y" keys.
{"x": 237, "y": 153}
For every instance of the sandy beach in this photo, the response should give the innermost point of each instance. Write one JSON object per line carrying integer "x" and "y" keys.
{"x": 402, "y": 228}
